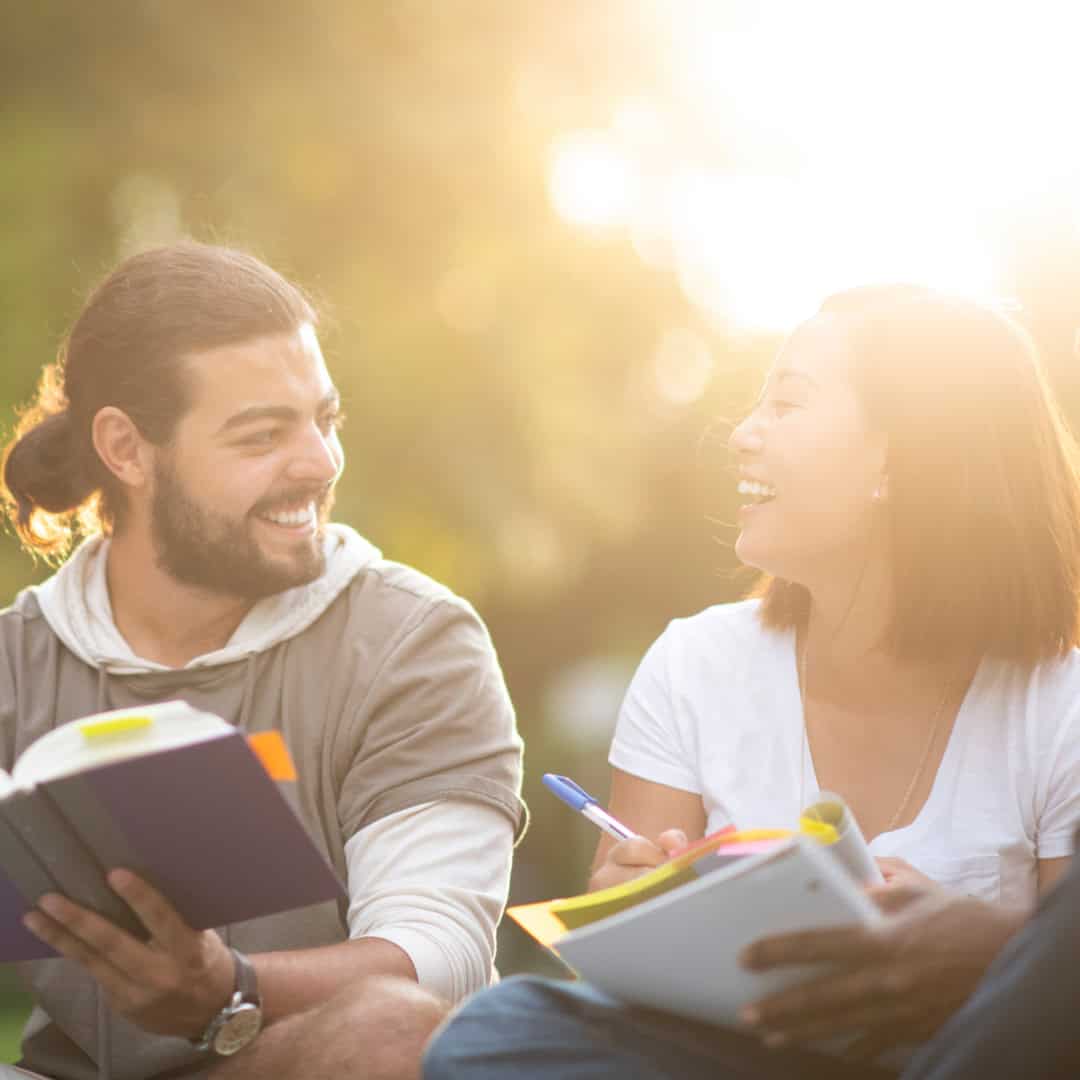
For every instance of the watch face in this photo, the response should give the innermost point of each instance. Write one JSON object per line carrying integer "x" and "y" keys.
{"x": 238, "y": 1030}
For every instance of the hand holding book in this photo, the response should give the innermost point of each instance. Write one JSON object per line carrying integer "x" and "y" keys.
{"x": 174, "y": 794}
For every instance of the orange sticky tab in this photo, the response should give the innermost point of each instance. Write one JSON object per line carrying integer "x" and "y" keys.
{"x": 271, "y": 750}
{"x": 539, "y": 921}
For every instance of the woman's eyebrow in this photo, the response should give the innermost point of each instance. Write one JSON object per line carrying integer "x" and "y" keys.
{"x": 793, "y": 373}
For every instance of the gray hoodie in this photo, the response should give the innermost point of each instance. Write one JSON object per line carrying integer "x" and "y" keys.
{"x": 384, "y": 685}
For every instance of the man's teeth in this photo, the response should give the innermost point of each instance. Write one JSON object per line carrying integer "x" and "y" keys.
{"x": 759, "y": 491}
{"x": 292, "y": 517}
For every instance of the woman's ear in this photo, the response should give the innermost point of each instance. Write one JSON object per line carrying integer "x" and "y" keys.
{"x": 121, "y": 447}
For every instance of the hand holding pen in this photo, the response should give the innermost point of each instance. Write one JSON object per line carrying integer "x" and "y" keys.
{"x": 632, "y": 854}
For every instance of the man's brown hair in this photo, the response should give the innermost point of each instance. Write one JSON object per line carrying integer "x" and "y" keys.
{"x": 127, "y": 349}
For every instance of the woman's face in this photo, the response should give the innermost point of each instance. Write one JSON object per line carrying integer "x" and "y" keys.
{"x": 809, "y": 465}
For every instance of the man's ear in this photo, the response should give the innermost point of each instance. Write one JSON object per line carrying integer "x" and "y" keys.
{"x": 121, "y": 447}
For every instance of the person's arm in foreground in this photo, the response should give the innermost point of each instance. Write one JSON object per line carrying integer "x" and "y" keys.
{"x": 1021, "y": 1020}
{"x": 893, "y": 983}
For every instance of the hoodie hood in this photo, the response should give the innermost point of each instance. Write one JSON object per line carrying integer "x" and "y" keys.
{"x": 75, "y": 603}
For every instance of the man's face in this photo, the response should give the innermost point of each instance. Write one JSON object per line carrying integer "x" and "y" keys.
{"x": 242, "y": 492}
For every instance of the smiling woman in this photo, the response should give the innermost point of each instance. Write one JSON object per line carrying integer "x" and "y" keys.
{"x": 911, "y": 496}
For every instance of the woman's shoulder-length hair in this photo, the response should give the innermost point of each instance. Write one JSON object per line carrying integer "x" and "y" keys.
{"x": 983, "y": 497}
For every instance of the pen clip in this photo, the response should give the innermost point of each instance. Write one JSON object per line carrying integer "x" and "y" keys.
{"x": 570, "y": 793}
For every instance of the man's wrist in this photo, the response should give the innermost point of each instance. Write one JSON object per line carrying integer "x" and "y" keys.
{"x": 220, "y": 987}
{"x": 237, "y": 1023}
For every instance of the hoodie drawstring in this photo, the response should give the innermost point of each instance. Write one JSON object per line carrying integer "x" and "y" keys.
{"x": 104, "y": 1023}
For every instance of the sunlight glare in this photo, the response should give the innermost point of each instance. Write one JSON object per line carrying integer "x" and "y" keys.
{"x": 591, "y": 181}
{"x": 803, "y": 148}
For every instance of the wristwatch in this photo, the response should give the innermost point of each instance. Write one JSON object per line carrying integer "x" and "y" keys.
{"x": 241, "y": 1019}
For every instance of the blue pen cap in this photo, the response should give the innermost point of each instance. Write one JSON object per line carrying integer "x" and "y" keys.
{"x": 570, "y": 793}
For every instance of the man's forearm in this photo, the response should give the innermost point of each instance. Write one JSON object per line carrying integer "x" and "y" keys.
{"x": 295, "y": 981}
{"x": 375, "y": 1028}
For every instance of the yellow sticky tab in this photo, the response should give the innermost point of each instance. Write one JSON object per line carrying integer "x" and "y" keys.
{"x": 820, "y": 831}
{"x": 271, "y": 750}
{"x": 115, "y": 725}
{"x": 539, "y": 921}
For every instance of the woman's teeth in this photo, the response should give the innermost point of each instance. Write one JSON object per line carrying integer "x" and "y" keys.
{"x": 293, "y": 517}
{"x": 759, "y": 492}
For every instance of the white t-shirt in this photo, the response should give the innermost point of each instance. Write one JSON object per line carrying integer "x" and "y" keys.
{"x": 715, "y": 709}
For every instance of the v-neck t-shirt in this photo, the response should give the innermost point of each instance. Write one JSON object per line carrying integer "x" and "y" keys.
{"x": 714, "y": 708}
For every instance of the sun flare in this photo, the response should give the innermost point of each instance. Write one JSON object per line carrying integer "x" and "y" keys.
{"x": 828, "y": 145}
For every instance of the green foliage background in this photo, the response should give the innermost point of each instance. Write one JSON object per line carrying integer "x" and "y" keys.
{"x": 496, "y": 363}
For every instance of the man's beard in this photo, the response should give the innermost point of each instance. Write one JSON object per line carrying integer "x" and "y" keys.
{"x": 214, "y": 551}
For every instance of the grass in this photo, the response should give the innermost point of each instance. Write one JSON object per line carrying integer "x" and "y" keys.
{"x": 14, "y": 1008}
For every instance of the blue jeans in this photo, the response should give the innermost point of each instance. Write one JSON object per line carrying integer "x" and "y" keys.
{"x": 1023, "y": 1020}
{"x": 529, "y": 1028}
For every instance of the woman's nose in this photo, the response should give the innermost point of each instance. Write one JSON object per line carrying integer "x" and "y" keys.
{"x": 746, "y": 436}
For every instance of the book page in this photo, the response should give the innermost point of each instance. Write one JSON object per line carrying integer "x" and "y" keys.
{"x": 847, "y": 845}
{"x": 680, "y": 951}
{"x": 110, "y": 736}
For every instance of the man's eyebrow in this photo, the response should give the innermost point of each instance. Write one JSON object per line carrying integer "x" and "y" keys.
{"x": 285, "y": 413}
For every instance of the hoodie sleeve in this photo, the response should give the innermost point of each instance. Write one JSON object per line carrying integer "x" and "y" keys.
{"x": 434, "y": 723}
{"x": 433, "y": 880}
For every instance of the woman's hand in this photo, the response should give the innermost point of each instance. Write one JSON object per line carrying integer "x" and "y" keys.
{"x": 631, "y": 858}
{"x": 897, "y": 872}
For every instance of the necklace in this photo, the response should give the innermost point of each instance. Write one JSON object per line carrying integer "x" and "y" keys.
{"x": 939, "y": 712}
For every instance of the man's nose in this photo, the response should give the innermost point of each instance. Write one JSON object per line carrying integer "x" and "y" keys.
{"x": 319, "y": 457}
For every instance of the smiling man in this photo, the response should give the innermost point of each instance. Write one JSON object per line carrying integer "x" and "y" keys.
{"x": 189, "y": 431}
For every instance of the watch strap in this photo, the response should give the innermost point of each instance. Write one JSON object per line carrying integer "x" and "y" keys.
{"x": 245, "y": 983}
{"x": 245, "y": 992}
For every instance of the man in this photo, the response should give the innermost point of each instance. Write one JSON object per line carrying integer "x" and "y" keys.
{"x": 190, "y": 427}
{"x": 915, "y": 975}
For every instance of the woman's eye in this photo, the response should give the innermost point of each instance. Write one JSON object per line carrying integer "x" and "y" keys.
{"x": 782, "y": 408}
{"x": 332, "y": 422}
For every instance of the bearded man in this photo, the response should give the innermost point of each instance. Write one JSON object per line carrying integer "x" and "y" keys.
{"x": 189, "y": 433}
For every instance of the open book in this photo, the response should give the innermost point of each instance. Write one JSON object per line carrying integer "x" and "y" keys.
{"x": 670, "y": 939}
{"x": 174, "y": 794}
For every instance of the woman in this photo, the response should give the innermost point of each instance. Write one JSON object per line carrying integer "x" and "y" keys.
{"x": 911, "y": 492}
{"x": 911, "y": 495}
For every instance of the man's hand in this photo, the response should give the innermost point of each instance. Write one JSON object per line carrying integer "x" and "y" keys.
{"x": 172, "y": 984}
{"x": 892, "y": 983}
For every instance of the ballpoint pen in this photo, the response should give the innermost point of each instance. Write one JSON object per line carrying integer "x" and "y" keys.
{"x": 580, "y": 800}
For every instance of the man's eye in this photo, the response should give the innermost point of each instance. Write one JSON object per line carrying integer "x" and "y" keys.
{"x": 261, "y": 438}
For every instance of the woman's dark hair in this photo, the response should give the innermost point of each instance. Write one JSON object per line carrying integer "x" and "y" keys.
{"x": 127, "y": 349}
{"x": 983, "y": 492}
